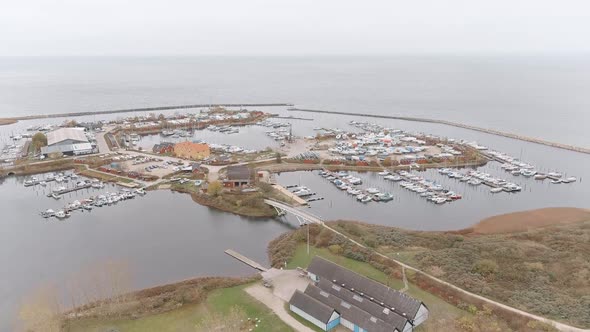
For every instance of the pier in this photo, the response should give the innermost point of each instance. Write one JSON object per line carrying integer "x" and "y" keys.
{"x": 246, "y": 260}
{"x": 459, "y": 125}
{"x": 289, "y": 194}
{"x": 69, "y": 190}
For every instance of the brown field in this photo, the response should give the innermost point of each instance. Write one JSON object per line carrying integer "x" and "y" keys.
{"x": 527, "y": 220}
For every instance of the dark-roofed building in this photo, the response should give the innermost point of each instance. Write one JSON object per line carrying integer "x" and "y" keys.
{"x": 238, "y": 176}
{"x": 163, "y": 148}
{"x": 362, "y": 303}
{"x": 316, "y": 312}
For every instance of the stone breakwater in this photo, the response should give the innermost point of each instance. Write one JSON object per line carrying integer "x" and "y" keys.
{"x": 459, "y": 125}
{"x": 144, "y": 109}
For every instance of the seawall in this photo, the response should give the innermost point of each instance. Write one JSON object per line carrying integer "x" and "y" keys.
{"x": 459, "y": 125}
{"x": 144, "y": 109}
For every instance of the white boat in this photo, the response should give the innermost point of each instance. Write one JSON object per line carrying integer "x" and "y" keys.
{"x": 43, "y": 183}
{"x": 58, "y": 189}
{"x": 384, "y": 173}
{"x": 569, "y": 179}
{"x": 372, "y": 191}
{"x": 355, "y": 180}
{"x": 48, "y": 213}
{"x": 540, "y": 176}
{"x": 496, "y": 190}
{"x": 528, "y": 172}
{"x": 61, "y": 214}
{"x": 554, "y": 174}
{"x": 97, "y": 185}
{"x": 366, "y": 199}
{"x": 303, "y": 193}
{"x": 558, "y": 181}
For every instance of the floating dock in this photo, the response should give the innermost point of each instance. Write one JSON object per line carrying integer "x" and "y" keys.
{"x": 34, "y": 183}
{"x": 69, "y": 190}
{"x": 246, "y": 260}
{"x": 295, "y": 198}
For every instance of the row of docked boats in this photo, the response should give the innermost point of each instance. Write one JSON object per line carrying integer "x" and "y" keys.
{"x": 227, "y": 129}
{"x": 346, "y": 182}
{"x": 425, "y": 188}
{"x": 59, "y": 178}
{"x": 88, "y": 204}
{"x": 517, "y": 167}
{"x": 474, "y": 177}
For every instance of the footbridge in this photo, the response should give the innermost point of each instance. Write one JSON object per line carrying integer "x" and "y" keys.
{"x": 303, "y": 217}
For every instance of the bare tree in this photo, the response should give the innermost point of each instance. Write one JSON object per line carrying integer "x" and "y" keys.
{"x": 40, "y": 311}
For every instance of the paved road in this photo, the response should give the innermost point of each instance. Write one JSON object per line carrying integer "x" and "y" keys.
{"x": 277, "y": 305}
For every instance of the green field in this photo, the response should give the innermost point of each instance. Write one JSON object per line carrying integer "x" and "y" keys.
{"x": 188, "y": 317}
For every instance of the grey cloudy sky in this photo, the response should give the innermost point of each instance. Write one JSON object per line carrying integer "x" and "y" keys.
{"x": 283, "y": 27}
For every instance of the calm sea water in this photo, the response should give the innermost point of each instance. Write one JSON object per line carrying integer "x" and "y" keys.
{"x": 165, "y": 237}
{"x": 159, "y": 238}
{"x": 538, "y": 96}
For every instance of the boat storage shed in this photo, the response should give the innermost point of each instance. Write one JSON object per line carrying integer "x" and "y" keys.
{"x": 319, "y": 314}
{"x": 361, "y": 303}
{"x": 69, "y": 141}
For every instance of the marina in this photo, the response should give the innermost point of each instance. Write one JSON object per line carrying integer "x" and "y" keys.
{"x": 141, "y": 232}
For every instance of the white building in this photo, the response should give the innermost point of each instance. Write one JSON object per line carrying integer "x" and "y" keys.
{"x": 69, "y": 141}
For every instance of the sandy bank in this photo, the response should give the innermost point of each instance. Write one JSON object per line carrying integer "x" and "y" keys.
{"x": 7, "y": 121}
{"x": 525, "y": 220}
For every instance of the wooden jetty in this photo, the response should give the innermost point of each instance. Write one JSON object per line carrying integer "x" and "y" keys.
{"x": 246, "y": 260}
{"x": 69, "y": 190}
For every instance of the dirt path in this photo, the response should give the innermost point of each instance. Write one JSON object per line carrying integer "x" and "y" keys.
{"x": 556, "y": 324}
{"x": 277, "y": 305}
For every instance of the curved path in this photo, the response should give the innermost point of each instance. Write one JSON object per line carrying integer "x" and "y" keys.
{"x": 556, "y": 324}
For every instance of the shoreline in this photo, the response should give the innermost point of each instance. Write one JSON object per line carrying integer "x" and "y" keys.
{"x": 458, "y": 125}
{"x": 7, "y": 121}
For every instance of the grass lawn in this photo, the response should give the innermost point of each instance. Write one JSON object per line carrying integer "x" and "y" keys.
{"x": 301, "y": 259}
{"x": 188, "y": 317}
{"x": 439, "y": 309}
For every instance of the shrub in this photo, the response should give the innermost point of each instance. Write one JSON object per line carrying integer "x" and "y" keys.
{"x": 485, "y": 267}
{"x": 335, "y": 249}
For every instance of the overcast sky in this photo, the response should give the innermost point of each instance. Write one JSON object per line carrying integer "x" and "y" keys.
{"x": 292, "y": 27}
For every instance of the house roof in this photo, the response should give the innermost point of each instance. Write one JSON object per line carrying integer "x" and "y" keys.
{"x": 364, "y": 303}
{"x": 349, "y": 311}
{"x": 62, "y": 134}
{"x": 162, "y": 145}
{"x": 238, "y": 172}
{"x": 313, "y": 307}
{"x": 380, "y": 293}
